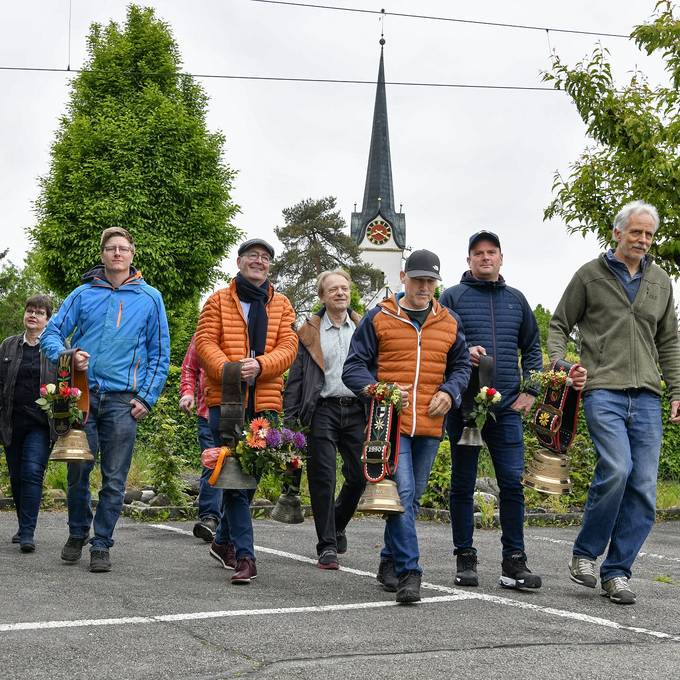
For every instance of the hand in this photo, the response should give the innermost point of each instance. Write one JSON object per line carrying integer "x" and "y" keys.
{"x": 186, "y": 403}
{"x": 675, "y": 412}
{"x": 138, "y": 411}
{"x": 523, "y": 403}
{"x": 440, "y": 405}
{"x": 81, "y": 360}
{"x": 578, "y": 378}
{"x": 476, "y": 352}
{"x": 404, "y": 393}
{"x": 250, "y": 369}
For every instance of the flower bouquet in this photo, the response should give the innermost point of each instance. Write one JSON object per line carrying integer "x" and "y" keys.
{"x": 484, "y": 400}
{"x": 61, "y": 402}
{"x": 385, "y": 393}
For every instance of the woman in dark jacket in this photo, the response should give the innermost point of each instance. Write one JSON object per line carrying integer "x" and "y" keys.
{"x": 24, "y": 427}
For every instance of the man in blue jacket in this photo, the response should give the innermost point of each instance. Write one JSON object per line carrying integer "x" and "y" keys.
{"x": 498, "y": 322}
{"x": 121, "y": 334}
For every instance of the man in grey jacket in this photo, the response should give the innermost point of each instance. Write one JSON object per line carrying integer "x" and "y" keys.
{"x": 623, "y": 306}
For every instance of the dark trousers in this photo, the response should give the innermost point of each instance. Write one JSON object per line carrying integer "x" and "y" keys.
{"x": 338, "y": 424}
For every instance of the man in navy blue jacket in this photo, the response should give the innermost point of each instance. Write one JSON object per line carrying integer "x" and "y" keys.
{"x": 498, "y": 322}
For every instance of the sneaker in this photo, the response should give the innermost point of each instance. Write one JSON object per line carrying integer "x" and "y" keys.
{"x": 328, "y": 559}
{"x": 408, "y": 590}
{"x": 618, "y": 590}
{"x": 27, "y": 545}
{"x": 100, "y": 561}
{"x": 73, "y": 549}
{"x": 387, "y": 577}
{"x": 205, "y": 529}
{"x": 582, "y": 571}
{"x": 516, "y": 574}
{"x": 245, "y": 570}
{"x": 466, "y": 567}
{"x": 16, "y": 538}
{"x": 341, "y": 542}
{"x": 224, "y": 554}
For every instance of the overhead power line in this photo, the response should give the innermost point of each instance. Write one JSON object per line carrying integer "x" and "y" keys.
{"x": 497, "y": 24}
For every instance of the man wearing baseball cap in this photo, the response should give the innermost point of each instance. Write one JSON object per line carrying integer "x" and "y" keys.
{"x": 411, "y": 340}
{"x": 498, "y": 323}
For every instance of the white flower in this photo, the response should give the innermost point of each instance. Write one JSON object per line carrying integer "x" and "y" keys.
{"x": 51, "y": 388}
{"x": 496, "y": 398}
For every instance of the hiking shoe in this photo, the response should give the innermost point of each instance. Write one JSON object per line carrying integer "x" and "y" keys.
{"x": 466, "y": 568}
{"x": 224, "y": 554}
{"x": 73, "y": 549}
{"x": 16, "y": 538}
{"x": 100, "y": 561}
{"x": 205, "y": 529}
{"x": 387, "y": 577}
{"x": 245, "y": 570}
{"x": 516, "y": 574}
{"x": 582, "y": 571}
{"x": 408, "y": 590}
{"x": 328, "y": 559}
{"x": 27, "y": 545}
{"x": 341, "y": 542}
{"x": 618, "y": 590}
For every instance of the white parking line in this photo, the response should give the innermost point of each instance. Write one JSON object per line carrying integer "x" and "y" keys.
{"x": 561, "y": 541}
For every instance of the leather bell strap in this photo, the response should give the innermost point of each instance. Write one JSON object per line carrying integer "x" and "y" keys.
{"x": 69, "y": 376}
{"x": 231, "y": 407}
{"x": 380, "y": 452}
{"x": 481, "y": 376}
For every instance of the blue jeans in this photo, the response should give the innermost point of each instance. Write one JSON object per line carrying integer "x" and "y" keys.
{"x": 209, "y": 498}
{"x": 27, "y": 457}
{"x": 625, "y": 426}
{"x": 503, "y": 438}
{"x": 111, "y": 432}
{"x": 236, "y": 523}
{"x": 416, "y": 455}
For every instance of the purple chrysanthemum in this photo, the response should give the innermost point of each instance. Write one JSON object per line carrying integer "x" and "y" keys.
{"x": 274, "y": 438}
{"x": 287, "y": 435}
{"x": 299, "y": 440}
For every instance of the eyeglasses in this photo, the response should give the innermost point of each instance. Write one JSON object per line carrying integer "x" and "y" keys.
{"x": 35, "y": 312}
{"x": 120, "y": 249}
{"x": 253, "y": 256}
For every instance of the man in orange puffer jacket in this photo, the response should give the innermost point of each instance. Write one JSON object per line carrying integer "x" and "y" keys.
{"x": 411, "y": 340}
{"x": 248, "y": 322}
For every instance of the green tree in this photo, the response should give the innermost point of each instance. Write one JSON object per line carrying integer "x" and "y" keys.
{"x": 636, "y": 134}
{"x": 543, "y": 317}
{"x": 314, "y": 240}
{"x": 133, "y": 150}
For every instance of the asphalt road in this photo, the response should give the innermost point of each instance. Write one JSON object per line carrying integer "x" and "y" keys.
{"x": 168, "y": 611}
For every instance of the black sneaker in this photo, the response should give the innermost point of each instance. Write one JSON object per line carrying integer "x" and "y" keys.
{"x": 73, "y": 549}
{"x": 205, "y": 529}
{"x": 466, "y": 567}
{"x": 100, "y": 561}
{"x": 16, "y": 538}
{"x": 408, "y": 590}
{"x": 341, "y": 542}
{"x": 27, "y": 545}
{"x": 328, "y": 559}
{"x": 516, "y": 574}
{"x": 387, "y": 577}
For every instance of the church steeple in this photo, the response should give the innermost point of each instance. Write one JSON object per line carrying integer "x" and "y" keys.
{"x": 379, "y": 190}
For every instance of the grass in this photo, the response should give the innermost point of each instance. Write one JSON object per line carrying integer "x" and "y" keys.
{"x": 667, "y": 494}
{"x": 664, "y": 578}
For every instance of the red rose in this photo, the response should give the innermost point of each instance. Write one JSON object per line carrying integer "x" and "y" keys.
{"x": 491, "y": 391}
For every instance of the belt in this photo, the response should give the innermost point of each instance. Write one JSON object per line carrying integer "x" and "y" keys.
{"x": 341, "y": 401}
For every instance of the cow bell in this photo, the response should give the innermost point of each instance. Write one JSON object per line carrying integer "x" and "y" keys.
{"x": 72, "y": 447}
{"x": 288, "y": 509}
{"x": 232, "y": 477}
{"x": 471, "y": 436}
{"x": 380, "y": 498}
{"x": 548, "y": 472}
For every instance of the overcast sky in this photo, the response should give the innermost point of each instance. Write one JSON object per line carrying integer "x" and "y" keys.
{"x": 463, "y": 159}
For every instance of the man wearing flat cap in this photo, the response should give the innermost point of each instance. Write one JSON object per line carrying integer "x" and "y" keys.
{"x": 498, "y": 323}
{"x": 412, "y": 341}
{"x": 251, "y": 323}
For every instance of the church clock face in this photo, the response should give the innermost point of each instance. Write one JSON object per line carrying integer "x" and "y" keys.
{"x": 378, "y": 232}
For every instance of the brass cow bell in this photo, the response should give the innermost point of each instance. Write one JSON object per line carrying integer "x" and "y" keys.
{"x": 548, "y": 472}
{"x": 232, "y": 477}
{"x": 72, "y": 447}
{"x": 380, "y": 498}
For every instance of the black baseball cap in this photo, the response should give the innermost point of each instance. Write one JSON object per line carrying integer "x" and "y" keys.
{"x": 483, "y": 235}
{"x": 422, "y": 264}
{"x": 251, "y": 243}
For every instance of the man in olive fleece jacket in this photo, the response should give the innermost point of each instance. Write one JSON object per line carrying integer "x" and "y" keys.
{"x": 623, "y": 306}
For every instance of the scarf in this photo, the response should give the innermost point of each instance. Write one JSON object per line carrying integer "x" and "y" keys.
{"x": 257, "y": 317}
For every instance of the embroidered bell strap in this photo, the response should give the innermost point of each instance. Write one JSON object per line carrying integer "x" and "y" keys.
{"x": 225, "y": 452}
{"x": 557, "y": 415}
{"x": 380, "y": 452}
{"x": 231, "y": 407}
{"x": 69, "y": 376}
{"x": 481, "y": 376}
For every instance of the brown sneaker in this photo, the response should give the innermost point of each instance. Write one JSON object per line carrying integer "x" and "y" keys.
{"x": 224, "y": 554}
{"x": 245, "y": 570}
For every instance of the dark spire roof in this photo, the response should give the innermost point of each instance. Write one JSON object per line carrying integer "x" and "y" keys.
{"x": 379, "y": 190}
